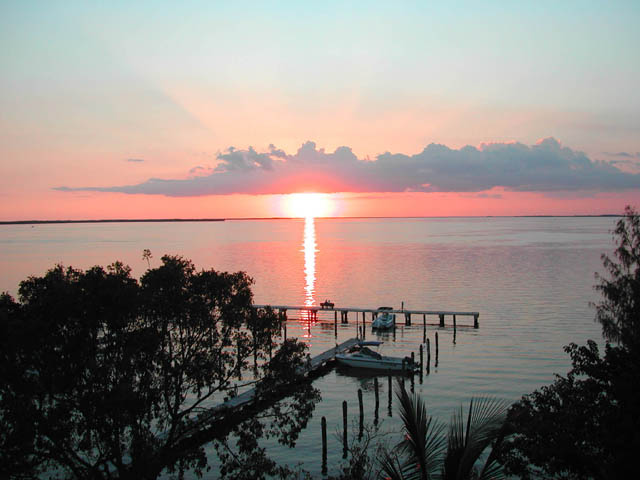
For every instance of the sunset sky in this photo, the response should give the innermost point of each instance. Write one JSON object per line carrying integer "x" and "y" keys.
{"x": 223, "y": 109}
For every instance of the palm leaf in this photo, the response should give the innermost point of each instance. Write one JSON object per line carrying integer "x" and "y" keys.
{"x": 484, "y": 425}
{"x": 424, "y": 443}
{"x": 391, "y": 466}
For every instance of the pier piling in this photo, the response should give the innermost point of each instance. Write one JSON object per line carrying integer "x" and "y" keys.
{"x": 361, "y": 407}
{"x": 375, "y": 388}
{"x": 428, "y": 356}
{"x": 437, "y": 349}
{"x": 442, "y": 319}
{"x": 475, "y": 321}
{"x": 390, "y": 388}
{"x": 344, "y": 429}
{"x": 324, "y": 446}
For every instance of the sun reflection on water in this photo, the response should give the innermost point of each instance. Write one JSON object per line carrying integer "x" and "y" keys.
{"x": 309, "y": 248}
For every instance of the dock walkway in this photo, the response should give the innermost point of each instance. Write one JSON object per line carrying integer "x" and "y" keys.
{"x": 316, "y": 363}
{"x": 344, "y": 312}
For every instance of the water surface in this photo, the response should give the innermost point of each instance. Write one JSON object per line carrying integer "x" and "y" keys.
{"x": 531, "y": 279}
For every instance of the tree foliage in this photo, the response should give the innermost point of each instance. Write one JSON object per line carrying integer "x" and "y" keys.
{"x": 619, "y": 310}
{"x": 108, "y": 377}
{"x": 587, "y": 423}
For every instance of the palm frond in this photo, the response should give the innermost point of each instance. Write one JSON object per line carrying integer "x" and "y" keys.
{"x": 391, "y": 466}
{"x": 484, "y": 425}
{"x": 455, "y": 444}
{"x": 424, "y": 441}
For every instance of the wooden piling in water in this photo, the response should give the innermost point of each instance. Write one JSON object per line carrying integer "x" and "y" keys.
{"x": 476, "y": 324}
{"x": 239, "y": 361}
{"x": 442, "y": 319}
{"x": 421, "y": 359}
{"x": 390, "y": 388}
{"x": 428, "y": 356}
{"x": 375, "y": 389}
{"x": 424, "y": 328}
{"x": 324, "y": 445}
{"x": 361, "y": 407}
{"x": 344, "y": 429}
{"x": 437, "y": 349}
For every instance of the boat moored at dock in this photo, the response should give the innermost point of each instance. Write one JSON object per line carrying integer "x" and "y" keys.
{"x": 365, "y": 357}
{"x": 384, "y": 319}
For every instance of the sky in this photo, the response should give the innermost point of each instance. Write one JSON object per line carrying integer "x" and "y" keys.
{"x": 226, "y": 109}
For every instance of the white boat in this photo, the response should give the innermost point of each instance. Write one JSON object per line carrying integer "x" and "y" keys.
{"x": 364, "y": 357}
{"x": 384, "y": 319}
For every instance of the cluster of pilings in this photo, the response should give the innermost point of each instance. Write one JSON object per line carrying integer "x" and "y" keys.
{"x": 376, "y": 416}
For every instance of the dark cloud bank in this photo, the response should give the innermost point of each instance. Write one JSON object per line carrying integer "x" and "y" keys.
{"x": 544, "y": 167}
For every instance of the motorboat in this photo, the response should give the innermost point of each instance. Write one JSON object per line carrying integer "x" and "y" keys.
{"x": 384, "y": 319}
{"x": 365, "y": 357}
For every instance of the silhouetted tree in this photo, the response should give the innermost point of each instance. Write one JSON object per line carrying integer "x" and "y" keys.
{"x": 104, "y": 376}
{"x": 587, "y": 424}
{"x": 146, "y": 255}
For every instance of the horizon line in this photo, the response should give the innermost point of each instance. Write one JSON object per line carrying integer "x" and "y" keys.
{"x": 182, "y": 220}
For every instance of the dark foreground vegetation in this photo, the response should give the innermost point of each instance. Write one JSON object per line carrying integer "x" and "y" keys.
{"x": 104, "y": 376}
{"x": 107, "y": 377}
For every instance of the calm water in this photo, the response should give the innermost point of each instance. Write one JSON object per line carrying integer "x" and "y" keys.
{"x": 531, "y": 279}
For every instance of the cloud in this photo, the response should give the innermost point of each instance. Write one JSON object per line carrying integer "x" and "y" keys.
{"x": 135, "y": 160}
{"x": 544, "y": 167}
{"x": 623, "y": 154}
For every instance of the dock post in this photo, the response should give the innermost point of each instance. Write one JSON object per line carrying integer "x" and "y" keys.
{"x": 285, "y": 328}
{"x": 455, "y": 327}
{"x": 390, "y": 388}
{"x": 407, "y": 319}
{"x": 375, "y": 388}
{"x": 413, "y": 357}
{"x": 475, "y": 321}
{"x": 421, "y": 359}
{"x": 254, "y": 318}
{"x": 428, "y": 356}
{"x": 335, "y": 324}
{"x": 344, "y": 429}
{"x": 424, "y": 328}
{"x": 360, "y": 406}
{"x": 436, "y": 349}
{"x": 442, "y": 319}
{"x": 239, "y": 361}
{"x": 324, "y": 446}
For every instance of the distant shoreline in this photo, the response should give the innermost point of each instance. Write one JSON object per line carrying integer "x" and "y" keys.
{"x": 116, "y": 220}
{"x": 182, "y": 220}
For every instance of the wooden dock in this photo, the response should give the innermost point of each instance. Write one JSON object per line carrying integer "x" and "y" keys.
{"x": 344, "y": 313}
{"x": 317, "y": 363}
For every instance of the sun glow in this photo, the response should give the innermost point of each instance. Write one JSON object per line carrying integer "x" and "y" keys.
{"x": 306, "y": 205}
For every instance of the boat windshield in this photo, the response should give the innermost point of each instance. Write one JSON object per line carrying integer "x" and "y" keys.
{"x": 367, "y": 351}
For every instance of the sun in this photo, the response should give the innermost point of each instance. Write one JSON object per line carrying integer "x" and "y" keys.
{"x": 308, "y": 205}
